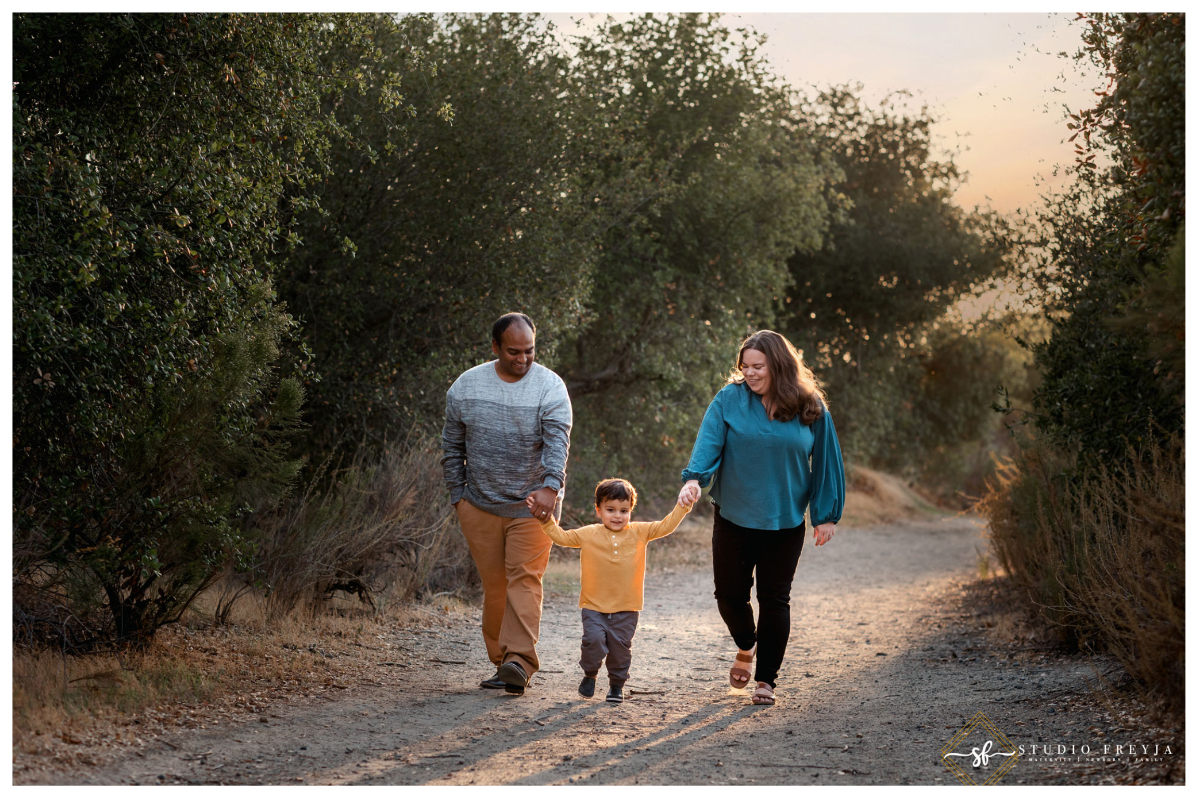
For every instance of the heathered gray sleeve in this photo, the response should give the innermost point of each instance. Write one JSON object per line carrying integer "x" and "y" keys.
{"x": 454, "y": 449}
{"x": 556, "y": 435}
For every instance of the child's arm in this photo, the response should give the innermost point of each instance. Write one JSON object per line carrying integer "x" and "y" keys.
{"x": 667, "y": 525}
{"x": 570, "y": 538}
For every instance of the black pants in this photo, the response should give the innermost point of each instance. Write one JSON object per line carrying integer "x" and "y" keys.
{"x": 740, "y": 557}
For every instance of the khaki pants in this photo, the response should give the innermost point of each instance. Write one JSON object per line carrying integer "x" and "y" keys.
{"x": 511, "y": 555}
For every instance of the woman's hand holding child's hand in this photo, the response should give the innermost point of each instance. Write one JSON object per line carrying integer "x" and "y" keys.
{"x": 690, "y": 493}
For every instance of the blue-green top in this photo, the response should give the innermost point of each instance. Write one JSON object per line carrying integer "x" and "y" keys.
{"x": 759, "y": 467}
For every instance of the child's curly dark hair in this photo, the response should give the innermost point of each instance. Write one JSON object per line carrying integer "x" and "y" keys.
{"x": 616, "y": 489}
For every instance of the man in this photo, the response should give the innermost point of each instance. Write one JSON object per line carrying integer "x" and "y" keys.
{"x": 507, "y": 432}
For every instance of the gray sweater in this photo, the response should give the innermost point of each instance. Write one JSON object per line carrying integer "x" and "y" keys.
{"x": 502, "y": 441}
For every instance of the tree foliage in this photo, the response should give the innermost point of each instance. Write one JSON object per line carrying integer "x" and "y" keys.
{"x": 865, "y": 306}
{"x": 151, "y": 156}
{"x": 732, "y": 188}
{"x": 1112, "y": 366}
{"x": 580, "y": 190}
{"x": 450, "y": 229}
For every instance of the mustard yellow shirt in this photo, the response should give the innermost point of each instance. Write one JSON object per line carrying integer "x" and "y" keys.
{"x": 612, "y": 564}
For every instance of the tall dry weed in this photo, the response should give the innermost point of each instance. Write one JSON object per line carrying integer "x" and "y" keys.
{"x": 381, "y": 529}
{"x": 1132, "y": 587}
{"x": 1102, "y": 554}
{"x": 1027, "y": 519}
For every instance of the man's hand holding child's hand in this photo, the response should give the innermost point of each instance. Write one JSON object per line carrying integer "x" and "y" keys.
{"x": 541, "y": 503}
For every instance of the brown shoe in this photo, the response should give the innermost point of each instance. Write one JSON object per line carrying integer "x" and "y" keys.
{"x": 494, "y": 682}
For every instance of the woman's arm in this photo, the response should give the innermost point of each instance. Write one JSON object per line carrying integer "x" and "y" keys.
{"x": 829, "y": 478}
{"x": 709, "y": 446}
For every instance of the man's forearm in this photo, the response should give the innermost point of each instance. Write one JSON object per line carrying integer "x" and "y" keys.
{"x": 455, "y": 474}
{"x": 454, "y": 456}
{"x": 556, "y": 444}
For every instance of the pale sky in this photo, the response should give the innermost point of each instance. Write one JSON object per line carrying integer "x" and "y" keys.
{"x": 994, "y": 80}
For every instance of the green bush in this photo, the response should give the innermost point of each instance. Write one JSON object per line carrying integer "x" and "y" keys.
{"x": 1090, "y": 517}
{"x": 157, "y": 160}
{"x": 1108, "y": 250}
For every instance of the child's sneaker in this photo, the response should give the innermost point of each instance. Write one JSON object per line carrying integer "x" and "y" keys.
{"x": 616, "y": 693}
{"x": 587, "y": 686}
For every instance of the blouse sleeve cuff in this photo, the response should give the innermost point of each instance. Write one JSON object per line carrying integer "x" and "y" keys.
{"x": 833, "y": 516}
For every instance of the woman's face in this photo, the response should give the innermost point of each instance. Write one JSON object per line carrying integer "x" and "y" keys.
{"x": 756, "y": 371}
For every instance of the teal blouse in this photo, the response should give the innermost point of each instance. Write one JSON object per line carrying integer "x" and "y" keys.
{"x": 759, "y": 467}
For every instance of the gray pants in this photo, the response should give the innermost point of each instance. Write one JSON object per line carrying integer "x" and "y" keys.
{"x": 608, "y": 635}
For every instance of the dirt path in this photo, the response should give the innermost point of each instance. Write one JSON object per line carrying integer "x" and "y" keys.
{"x": 883, "y": 668}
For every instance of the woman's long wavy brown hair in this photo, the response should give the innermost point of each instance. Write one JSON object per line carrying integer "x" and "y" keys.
{"x": 794, "y": 388}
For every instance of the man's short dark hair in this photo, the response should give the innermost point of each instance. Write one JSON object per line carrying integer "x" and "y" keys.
{"x": 616, "y": 489}
{"x": 502, "y": 324}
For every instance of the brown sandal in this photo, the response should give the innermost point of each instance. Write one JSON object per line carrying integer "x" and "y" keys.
{"x": 739, "y": 677}
{"x": 763, "y": 695}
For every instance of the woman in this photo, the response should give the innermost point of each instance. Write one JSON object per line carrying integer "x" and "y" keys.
{"x": 755, "y": 444}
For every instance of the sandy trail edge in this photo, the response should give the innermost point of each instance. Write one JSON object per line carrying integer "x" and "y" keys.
{"x": 882, "y": 670}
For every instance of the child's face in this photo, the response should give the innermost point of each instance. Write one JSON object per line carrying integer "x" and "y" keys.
{"x": 614, "y": 514}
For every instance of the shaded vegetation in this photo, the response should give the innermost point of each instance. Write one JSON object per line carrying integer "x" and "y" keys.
{"x": 1088, "y": 518}
{"x": 157, "y": 161}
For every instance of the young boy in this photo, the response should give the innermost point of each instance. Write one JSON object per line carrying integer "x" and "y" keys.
{"x": 612, "y": 566}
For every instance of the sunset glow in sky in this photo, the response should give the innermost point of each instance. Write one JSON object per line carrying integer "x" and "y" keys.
{"x": 994, "y": 80}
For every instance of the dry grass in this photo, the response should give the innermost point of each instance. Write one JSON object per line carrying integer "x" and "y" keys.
{"x": 197, "y": 674}
{"x": 1023, "y": 508}
{"x": 1132, "y": 585}
{"x": 50, "y": 691}
{"x": 1103, "y": 558}
{"x": 385, "y": 525}
{"x": 381, "y": 528}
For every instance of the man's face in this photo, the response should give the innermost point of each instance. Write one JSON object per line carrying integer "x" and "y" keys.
{"x": 514, "y": 352}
